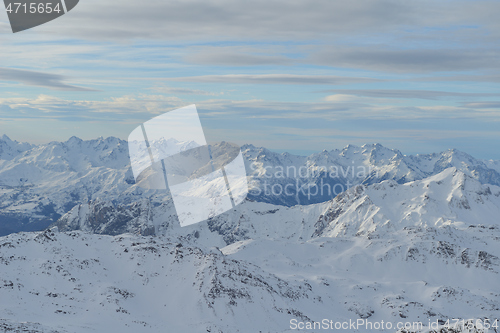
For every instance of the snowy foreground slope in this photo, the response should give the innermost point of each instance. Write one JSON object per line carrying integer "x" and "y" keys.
{"x": 82, "y": 283}
{"x": 40, "y": 183}
{"x": 422, "y": 251}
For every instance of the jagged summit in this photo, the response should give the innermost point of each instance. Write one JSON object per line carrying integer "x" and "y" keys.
{"x": 74, "y": 139}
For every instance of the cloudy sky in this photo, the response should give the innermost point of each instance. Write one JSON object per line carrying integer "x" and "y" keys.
{"x": 298, "y": 76}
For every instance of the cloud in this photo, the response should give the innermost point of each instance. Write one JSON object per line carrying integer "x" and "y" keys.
{"x": 392, "y": 36}
{"x": 235, "y": 58}
{"x": 417, "y": 94}
{"x": 384, "y": 59}
{"x": 183, "y": 91}
{"x": 343, "y": 107}
{"x": 460, "y": 78}
{"x": 32, "y": 78}
{"x": 232, "y": 20}
{"x": 341, "y": 98}
{"x": 275, "y": 79}
{"x": 131, "y": 108}
{"x": 283, "y": 20}
{"x": 119, "y": 109}
{"x": 483, "y": 105}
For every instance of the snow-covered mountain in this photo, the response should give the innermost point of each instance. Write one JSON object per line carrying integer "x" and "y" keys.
{"x": 331, "y": 172}
{"x": 450, "y": 198}
{"x": 40, "y": 183}
{"x": 408, "y": 239}
{"x": 10, "y": 149}
{"x": 426, "y": 250}
{"x": 134, "y": 284}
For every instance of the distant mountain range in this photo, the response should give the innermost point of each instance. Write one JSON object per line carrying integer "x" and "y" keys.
{"x": 40, "y": 183}
{"x": 344, "y": 168}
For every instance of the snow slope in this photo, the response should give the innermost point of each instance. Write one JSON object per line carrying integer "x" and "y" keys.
{"x": 342, "y": 260}
{"x": 74, "y": 282}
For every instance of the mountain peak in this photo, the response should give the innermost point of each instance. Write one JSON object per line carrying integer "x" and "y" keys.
{"x": 74, "y": 139}
{"x": 112, "y": 139}
{"x": 350, "y": 146}
{"x": 375, "y": 144}
{"x": 247, "y": 146}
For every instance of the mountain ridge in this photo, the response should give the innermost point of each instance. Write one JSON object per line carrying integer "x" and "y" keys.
{"x": 40, "y": 183}
{"x": 450, "y": 198}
